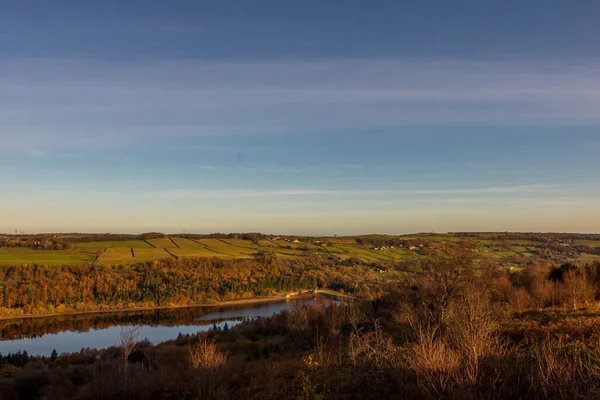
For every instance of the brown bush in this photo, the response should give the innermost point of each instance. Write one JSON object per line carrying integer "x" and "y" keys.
{"x": 436, "y": 363}
{"x": 576, "y": 290}
{"x": 519, "y": 300}
{"x": 206, "y": 355}
{"x": 473, "y": 332}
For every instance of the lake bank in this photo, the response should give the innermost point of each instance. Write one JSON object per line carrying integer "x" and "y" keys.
{"x": 71, "y": 333}
{"x": 258, "y": 300}
{"x": 279, "y": 297}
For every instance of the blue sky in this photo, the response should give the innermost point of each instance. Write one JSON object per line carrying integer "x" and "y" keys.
{"x": 299, "y": 117}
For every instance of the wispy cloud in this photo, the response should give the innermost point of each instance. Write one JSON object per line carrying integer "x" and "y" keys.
{"x": 271, "y": 169}
{"x": 192, "y": 193}
{"x": 35, "y": 152}
{"x": 211, "y": 167}
{"x": 280, "y": 96}
{"x": 253, "y": 169}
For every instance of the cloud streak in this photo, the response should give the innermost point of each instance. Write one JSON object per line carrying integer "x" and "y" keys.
{"x": 276, "y": 96}
{"x": 235, "y": 194}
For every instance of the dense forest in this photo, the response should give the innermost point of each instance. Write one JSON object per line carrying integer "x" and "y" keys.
{"x": 41, "y": 289}
{"x": 449, "y": 327}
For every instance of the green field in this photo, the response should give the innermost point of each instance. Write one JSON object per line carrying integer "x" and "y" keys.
{"x": 121, "y": 255}
{"x": 163, "y": 243}
{"x": 13, "y": 255}
{"x": 121, "y": 252}
{"x": 125, "y": 243}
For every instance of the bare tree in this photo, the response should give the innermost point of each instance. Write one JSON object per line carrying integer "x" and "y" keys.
{"x": 579, "y": 291}
{"x": 128, "y": 342}
{"x": 446, "y": 271}
{"x": 206, "y": 360}
{"x": 473, "y": 331}
{"x": 519, "y": 300}
{"x": 206, "y": 355}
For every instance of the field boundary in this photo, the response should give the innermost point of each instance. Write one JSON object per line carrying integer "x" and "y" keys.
{"x": 151, "y": 245}
{"x": 209, "y": 249}
{"x": 97, "y": 257}
{"x": 172, "y": 241}
{"x": 171, "y": 254}
{"x": 132, "y": 253}
{"x": 235, "y": 245}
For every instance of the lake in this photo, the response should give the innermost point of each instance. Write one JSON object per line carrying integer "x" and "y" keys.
{"x": 71, "y": 333}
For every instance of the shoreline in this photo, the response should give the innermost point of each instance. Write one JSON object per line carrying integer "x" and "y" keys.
{"x": 270, "y": 299}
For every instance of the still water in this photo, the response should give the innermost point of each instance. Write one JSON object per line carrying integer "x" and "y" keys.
{"x": 71, "y": 333}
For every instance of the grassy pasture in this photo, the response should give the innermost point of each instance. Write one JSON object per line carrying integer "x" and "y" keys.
{"x": 199, "y": 251}
{"x": 120, "y": 252}
{"x": 402, "y": 253}
{"x": 364, "y": 253}
{"x": 20, "y": 255}
{"x": 186, "y": 243}
{"x": 222, "y": 247}
{"x": 505, "y": 253}
{"x": 519, "y": 249}
{"x": 120, "y": 255}
{"x": 285, "y": 252}
{"x": 124, "y": 244}
{"x": 589, "y": 257}
{"x": 587, "y": 242}
{"x": 116, "y": 255}
{"x": 299, "y": 245}
{"x": 162, "y": 243}
{"x": 117, "y": 243}
{"x": 268, "y": 243}
{"x": 247, "y": 244}
{"x": 283, "y": 243}
{"x": 520, "y": 242}
{"x": 150, "y": 254}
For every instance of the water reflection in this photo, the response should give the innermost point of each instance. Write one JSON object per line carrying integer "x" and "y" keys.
{"x": 71, "y": 333}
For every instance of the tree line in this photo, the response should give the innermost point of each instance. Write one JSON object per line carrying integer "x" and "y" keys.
{"x": 39, "y": 289}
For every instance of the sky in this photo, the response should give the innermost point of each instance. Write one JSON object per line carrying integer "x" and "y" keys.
{"x": 299, "y": 117}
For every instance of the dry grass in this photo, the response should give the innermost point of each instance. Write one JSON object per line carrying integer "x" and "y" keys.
{"x": 435, "y": 362}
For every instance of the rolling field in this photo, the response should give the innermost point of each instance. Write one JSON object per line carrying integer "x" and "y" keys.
{"x": 105, "y": 245}
{"x": 224, "y": 248}
{"x": 135, "y": 251}
{"x": 13, "y": 255}
{"x": 121, "y": 255}
{"x": 163, "y": 243}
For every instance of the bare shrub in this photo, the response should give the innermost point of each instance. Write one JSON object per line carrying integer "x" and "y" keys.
{"x": 435, "y": 362}
{"x": 298, "y": 318}
{"x": 542, "y": 290}
{"x": 473, "y": 332}
{"x": 333, "y": 319}
{"x": 519, "y": 300}
{"x": 128, "y": 342}
{"x": 206, "y": 360}
{"x": 577, "y": 290}
{"x": 373, "y": 348}
{"x": 556, "y": 371}
{"x": 357, "y": 313}
{"x": 206, "y": 355}
{"x": 427, "y": 299}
